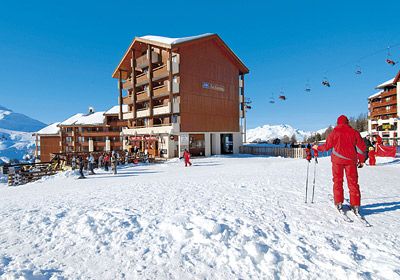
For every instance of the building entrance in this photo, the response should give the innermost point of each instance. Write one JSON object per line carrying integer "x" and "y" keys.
{"x": 226, "y": 144}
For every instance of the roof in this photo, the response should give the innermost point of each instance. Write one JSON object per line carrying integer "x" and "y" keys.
{"x": 375, "y": 94}
{"x": 385, "y": 84}
{"x": 91, "y": 119}
{"x": 51, "y": 129}
{"x": 71, "y": 120}
{"x": 115, "y": 110}
{"x": 170, "y": 43}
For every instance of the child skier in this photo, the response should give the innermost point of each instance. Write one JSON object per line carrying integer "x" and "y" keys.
{"x": 308, "y": 152}
{"x": 186, "y": 156}
{"x": 372, "y": 154}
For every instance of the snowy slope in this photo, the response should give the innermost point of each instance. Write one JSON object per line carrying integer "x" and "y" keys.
{"x": 270, "y": 132}
{"x": 15, "y": 144}
{"x": 223, "y": 218}
{"x": 18, "y": 122}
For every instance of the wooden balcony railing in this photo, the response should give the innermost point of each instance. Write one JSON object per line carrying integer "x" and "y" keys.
{"x": 143, "y": 61}
{"x": 160, "y": 91}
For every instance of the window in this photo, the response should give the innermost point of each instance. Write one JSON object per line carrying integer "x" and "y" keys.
{"x": 68, "y": 139}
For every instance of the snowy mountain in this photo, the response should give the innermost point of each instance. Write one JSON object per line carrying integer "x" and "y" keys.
{"x": 18, "y": 122}
{"x": 16, "y": 138}
{"x": 270, "y": 132}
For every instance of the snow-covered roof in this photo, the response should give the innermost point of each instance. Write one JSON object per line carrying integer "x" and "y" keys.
{"x": 173, "y": 41}
{"x": 71, "y": 120}
{"x": 52, "y": 129}
{"x": 387, "y": 83}
{"x": 91, "y": 119}
{"x": 115, "y": 110}
{"x": 375, "y": 94}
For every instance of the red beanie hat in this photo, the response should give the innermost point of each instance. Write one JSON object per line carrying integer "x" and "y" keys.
{"x": 342, "y": 120}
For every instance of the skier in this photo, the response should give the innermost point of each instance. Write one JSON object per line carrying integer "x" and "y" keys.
{"x": 186, "y": 156}
{"x": 81, "y": 165}
{"x": 372, "y": 153}
{"x": 73, "y": 162}
{"x": 100, "y": 160}
{"x": 315, "y": 151}
{"x": 126, "y": 157}
{"x": 114, "y": 163}
{"x": 106, "y": 161}
{"x": 308, "y": 152}
{"x": 347, "y": 154}
{"x": 368, "y": 145}
{"x": 91, "y": 161}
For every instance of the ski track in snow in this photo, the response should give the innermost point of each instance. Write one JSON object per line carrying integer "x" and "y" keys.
{"x": 223, "y": 218}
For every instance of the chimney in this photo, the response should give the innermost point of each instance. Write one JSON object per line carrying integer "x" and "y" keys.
{"x": 91, "y": 110}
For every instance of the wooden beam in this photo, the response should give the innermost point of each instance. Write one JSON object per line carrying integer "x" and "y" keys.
{"x": 170, "y": 78}
{"x": 133, "y": 77}
{"x": 150, "y": 84}
{"x": 120, "y": 95}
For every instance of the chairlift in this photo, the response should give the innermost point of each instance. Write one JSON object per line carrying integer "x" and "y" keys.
{"x": 272, "y": 99}
{"x": 358, "y": 70}
{"x": 388, "y": 59}
{"x": 325, "y": 82}
{"x": 307, "y": 87}
{"x": 282, "y": 97}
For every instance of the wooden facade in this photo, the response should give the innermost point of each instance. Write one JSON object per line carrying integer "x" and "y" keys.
{"x": 192, "y": 85}
{"x": 383, "y": 114}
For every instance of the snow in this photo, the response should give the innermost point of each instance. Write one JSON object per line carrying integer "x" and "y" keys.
{"x": 91, "y": 119}
{"x": 51, "y": 129}
{"x": 387, "y": 83}
{"x": 15, "y": 144}
{"x": 115, "y": 110}
{"x": 71, "y": 120}
{"x": 173, "y": 41}
{"x": 375, "y": 94}
{"x": 238, "y": 217}
{"x": 270, "y": 132}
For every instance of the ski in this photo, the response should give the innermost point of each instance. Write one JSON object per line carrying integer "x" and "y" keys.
{"x": 344, "y": 216}
{"x": 362, "y": 219}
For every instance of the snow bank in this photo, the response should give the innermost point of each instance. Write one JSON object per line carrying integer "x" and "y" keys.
{"x": 239, "y": 217}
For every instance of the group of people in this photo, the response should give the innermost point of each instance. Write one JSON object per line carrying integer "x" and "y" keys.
{"x": 104, "y": 160}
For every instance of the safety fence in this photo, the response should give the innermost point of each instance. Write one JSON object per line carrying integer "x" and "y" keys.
{"x": 273, "y": 151}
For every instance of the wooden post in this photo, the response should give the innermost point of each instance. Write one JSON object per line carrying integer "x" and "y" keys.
{"x": 243, "y": 105}
{"x": 149, "y": 50}
{"x": 170, "y": 78}
{"x": 120, "y": 94}
{"x": 133, "y": 78}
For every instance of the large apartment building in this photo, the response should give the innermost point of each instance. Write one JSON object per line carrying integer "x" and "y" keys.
{"x": 181, "y": 93}
{"x": 383, "y": 114}
{"x": 47, "y": 142}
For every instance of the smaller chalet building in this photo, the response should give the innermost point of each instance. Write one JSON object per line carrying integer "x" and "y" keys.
{"x": 182, "y": 93}
{"x": 47, "y": 141}
{"x": 383, "y": 112}
{"x": 92, "y": 132}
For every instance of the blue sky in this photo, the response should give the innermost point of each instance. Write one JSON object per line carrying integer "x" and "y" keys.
{"x": 57, "y": 57}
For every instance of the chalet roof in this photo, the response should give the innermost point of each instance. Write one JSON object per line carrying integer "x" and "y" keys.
{"x": 51, "y": 129}
{"x": 115, "y": 110}
{"x": 96, "y": 118}
{"x": 170, "y": 43}
{"x": 375, "y": 94}
{"x": 71, "y": 120}
{"x": 385, "y": 84}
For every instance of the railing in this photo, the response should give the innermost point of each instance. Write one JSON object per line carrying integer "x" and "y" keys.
{"x": 143, "y": 61}
{"x": 160, "y": 91}
{"x": 160, "y": 72}
{"x": 142, "y": 96}
{"x": 127, "y": 100}
{"x": 273, "y": 151}
{"x": 160, "y": 110}
{"x": 143, "y": 113}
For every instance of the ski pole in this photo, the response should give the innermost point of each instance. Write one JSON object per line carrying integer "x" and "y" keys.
{"x": 313, "y": 187}
{"x": 308, "y": 167}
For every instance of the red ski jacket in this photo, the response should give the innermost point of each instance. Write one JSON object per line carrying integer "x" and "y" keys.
{"x": 346, "y": 144}
{"x": 186, "y": 155}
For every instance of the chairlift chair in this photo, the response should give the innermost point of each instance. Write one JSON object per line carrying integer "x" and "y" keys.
{"x": 325, "y": 82}
{"x": 358, "y": 70}
{"x": 282, "y": 97}
{"x": 388, "y": 59}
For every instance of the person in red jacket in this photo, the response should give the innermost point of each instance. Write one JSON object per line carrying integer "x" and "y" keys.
{"x": 347, "y": 154}
{"x": 308, "y": 152}
{"x": 315, "y": 151}
{"x": 372, "y": 154}
{"x": 186, "y": 156}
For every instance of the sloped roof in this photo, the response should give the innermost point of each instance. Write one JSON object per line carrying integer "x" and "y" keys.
{"x": 385, "y": 84}
{"x": 170, "y": 43}
{"x": 115, "y": 110}
{"x": 91, "y": 119}
{"x": 71, "y": 120}
{"x": 51, "y": 129}
{"x": 375, "y": 94}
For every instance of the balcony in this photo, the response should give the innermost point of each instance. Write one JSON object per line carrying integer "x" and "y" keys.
{"x": 142, "y": 113}
{"x": 100, "y": 134}
{"x": 127, "y": 100}
{"x": 160, "y": 72}
{"x": 172, "y": 128}
{"x": 161, "y": 110}
{"x": 127, "y": 116}
{"x": 383, "y": 103}
{"x": 142, "y": 96}
{"x": 160, "y": 91}
{"x": 143, "y": 61}
{"x": 117, "y": 123}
